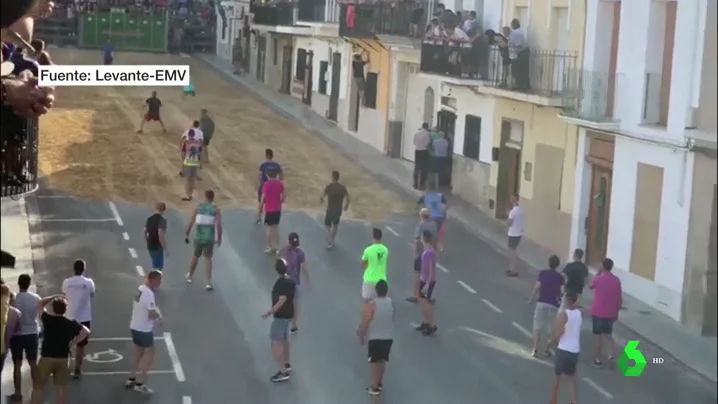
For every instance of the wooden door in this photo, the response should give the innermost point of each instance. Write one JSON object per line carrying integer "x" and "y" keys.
{"x": 261, "y": 55}
{"x": 446, "y": 122}
{"x": 286, "y": 86}
{"x": 308, "y": 77}
{"x": 336, "y": 81}
{"x": 598, "y": 215}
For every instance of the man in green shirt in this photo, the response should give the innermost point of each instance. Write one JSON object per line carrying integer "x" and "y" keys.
{"x": 208, "y": 219}
{"x": 206, "y": 124}
{"x": 373, "y": 261}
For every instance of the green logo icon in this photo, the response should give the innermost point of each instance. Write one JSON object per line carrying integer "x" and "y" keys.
{"x": 631, "y": 353}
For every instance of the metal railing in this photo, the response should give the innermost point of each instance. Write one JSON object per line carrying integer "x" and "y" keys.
{"x": 656, "y": 100}
{"x": 460, "y": 60}
{"x": 367, "y": 20}
{"x": 592, "y": 97}
{"x": 309, "y": 11}
{"x": 273, "y": 14}
{"x": 18, "y": 154}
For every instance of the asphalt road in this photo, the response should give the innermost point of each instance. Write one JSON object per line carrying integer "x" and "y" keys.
{"x": 220, "y": 343}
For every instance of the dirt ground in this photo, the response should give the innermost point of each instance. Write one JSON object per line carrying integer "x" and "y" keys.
{"x": 89, "y": 145}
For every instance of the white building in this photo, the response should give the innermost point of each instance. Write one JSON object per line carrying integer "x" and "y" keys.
{"x": 645, "y": 190}
{"x": 230, "y": 19}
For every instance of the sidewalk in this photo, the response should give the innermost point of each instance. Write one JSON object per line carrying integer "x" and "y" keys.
{"x": 15, "y": 239}
{"x": 639, "y": 320}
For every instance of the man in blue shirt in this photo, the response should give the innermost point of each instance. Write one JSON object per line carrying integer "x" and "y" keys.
{"x": 268, "y": 165}
{"x": 437, "y": 205}
{"x": 108, "y": 53}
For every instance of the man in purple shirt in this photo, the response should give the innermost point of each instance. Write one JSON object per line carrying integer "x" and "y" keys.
{"x": 607, "y": 301}
{"x": 427, "y": 281}
{"x": 296, "y": 268}
{"x": 547, "y": 294}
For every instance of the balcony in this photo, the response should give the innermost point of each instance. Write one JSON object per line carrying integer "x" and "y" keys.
{"x": 18, "y": 148}
{"x": 537, "y": 76}
{"x": 590, "y": 99}
{"x": 317, "y": 12}
{"x": 370, "y": 20}
{"x": 273, "y": 13}
{"x": 656, "y": 99}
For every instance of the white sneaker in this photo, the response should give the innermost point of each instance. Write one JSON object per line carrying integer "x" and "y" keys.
{"x": 268, "y": 250}
{"x": 209, "y": 288}
{"x": 188, "y": 278}
{"x": 142, "y": 388}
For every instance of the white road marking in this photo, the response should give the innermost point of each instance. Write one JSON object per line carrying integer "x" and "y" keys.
{"x": 186, "y": 400}
{"x": 442, "y": 268}
{"x": 116, "y": 213}
{"x": 119, "y": 339}
{"x": 467, "y": 287}
{"x": 521, "y": 329}
{"x": 392, "y": 231}
{"x": 492, "y": 306}
{"x": 174, "y": 357}
{"x": 127, "y": 372}
{"x": 140, "y": 270}
{"x": 78, "y": 220}
{"x": 125, "y": 236}
{"x": 133, "y": 252}
{"x": 598, "y": 388}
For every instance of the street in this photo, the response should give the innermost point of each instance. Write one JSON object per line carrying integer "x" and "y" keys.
{"x": 213, "y": 347}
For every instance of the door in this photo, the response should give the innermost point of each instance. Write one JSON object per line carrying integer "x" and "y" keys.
{"x": 446, "y": 122}
{"x": 509, "y": 170}
{"x": 308, "y": 78}
{"x": 286, "y": 69}
{"x": 598, "y": 214}
{"x": 336, "y": 85}
{"x": 261, "y": 55}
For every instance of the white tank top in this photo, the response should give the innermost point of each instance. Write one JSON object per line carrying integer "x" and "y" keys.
{"x": 571, "y": 339}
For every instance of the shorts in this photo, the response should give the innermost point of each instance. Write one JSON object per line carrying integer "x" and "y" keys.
{"x": 368, "y": 291}
{"x": 85, "y": 341}
{"x": 272, "y": 218}
{"x": 378, "y": 350}
{"x": 417, "y": 264}
{"x": 544, "y": 316}
{"x": 332, "y": 218}
{"x": 192, "y": 93}
{"x": 565, "y": 363}
{"x": 24, "y": 344}
{"x": 601, "y": 326}
{"x": 439, "y": 222}
{"x": 151, "y": 117}
{"x": 206, "y": 140}
{"x": 278, "y": 331}
{"x": 143, "y": 339}
{"x": 429, "y": 289}
{"x": 189, "y": 172}
{"x": 514, "y": 242}
{"x": 58, "y": 368}
{"x": 157, "y": 257}
{"x": 203, "y": 249}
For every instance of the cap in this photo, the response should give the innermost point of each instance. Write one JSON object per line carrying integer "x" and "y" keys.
{"x": 293, "y": 239}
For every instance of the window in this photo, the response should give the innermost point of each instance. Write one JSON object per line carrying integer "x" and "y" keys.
{"x": 323, "y": 67}
{"x": 274, "y": 51}
{"x": 301, "y": 64}
{"x": 472, "y": 136}
{"x": 370, "y": 88}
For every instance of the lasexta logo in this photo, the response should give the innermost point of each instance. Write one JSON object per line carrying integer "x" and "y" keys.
{"x": 631, "y": 353}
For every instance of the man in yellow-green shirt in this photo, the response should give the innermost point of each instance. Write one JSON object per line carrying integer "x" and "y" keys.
{"x": 373, "y": 261}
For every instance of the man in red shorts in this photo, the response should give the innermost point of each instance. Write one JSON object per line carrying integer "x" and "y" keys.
{"x": 153, "y": 112}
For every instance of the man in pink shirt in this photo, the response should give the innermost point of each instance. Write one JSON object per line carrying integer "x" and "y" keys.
{"x": 607, "y": 301}
{"x": 272, "y": 200}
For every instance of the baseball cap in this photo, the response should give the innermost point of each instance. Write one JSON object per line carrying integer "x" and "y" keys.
{"x": 293, "y": 239}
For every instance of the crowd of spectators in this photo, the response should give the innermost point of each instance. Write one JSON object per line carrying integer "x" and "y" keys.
{"x": 200, "y": 10}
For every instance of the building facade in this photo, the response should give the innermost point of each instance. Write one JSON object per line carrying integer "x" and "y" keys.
{"x": 644, "y": 192}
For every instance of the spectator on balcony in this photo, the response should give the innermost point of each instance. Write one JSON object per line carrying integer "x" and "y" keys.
{"x": 433, "y": 30}
{"x": 520, "y": 56}
{"x": 439, "y": 10}
{"x": 471, "y": 25}
{"x": 502, "y": 46}
{"x": 455, "y": 34}
{"x": 417, "y": 15}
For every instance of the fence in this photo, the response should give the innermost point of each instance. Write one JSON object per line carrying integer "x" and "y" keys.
{"x": 18, "y": 149}
{"x": 592, "y": 98}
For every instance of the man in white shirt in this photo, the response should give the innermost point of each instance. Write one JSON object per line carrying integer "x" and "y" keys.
{"x": 520, "y": 56}
{"x": 456, "y": 34}
{"x": 422, "y": 140}
{"x": 79, "y": 291}
{"x": 198, "y": 135}
{"x": 516, "y": 231}
{"x": 144, "y": 315}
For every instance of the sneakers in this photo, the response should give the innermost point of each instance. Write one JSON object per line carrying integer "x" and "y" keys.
{"x": 209, "y": 288}
{"x": 130, "y": 383}
{"x": 142, "y": 388}
{"x": 373, "y": 391}
{"x": 294, "y": 330}
{"x": 597, "y": 363}
{"x": 288, "y": 367}
{"x": 280, "y": 377}
{"x": 268, "y": 250}
{"x": 76, "y": 374}
{"x": 188, "y": 278}
{"x": 427, "y": 329}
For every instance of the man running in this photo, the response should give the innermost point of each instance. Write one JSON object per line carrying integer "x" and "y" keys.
{"x": 156, "y": 236}
{"x": 208, "y": 218}
{"x": 282, "y": 312}
{"x": 337, "y": 200}
{"x": 296, "y": 261}
{"x": 153, "y": 112}
{"x": 427, "y": 284}
{"x": 262, "y": 177}
{"x": 568, "y": 337}
{"x": 192, "y": 150}
{"x": 189, "y": 89}
{"x": 273, "y": 195}
{"x": 79, "y": 291}
{"x": 373, "y": 261}
{"x": 547, "y": 294}
{"x": 198, "y": 135}
{"x": 144, "y": 316}
{"x": 25, "y": 340}
{"x": 425, "y": 225}
{"x": 515, "y": 232}
{"x": 206, "y": 125}
{"x": 108, "y": 53}
{"x": 377, "y": 327}
{"x": 437, "y": 205}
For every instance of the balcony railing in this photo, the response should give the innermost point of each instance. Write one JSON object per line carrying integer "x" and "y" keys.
{"x": 655, "y": 101}
{"x": 18, "y": 149}
{"x": 367, "y": 20}
{"x": 592, "y": 97}
{"x": 273, "y": 13}
{"x": 310, "y": 11}
{"x": 459, "y": 60}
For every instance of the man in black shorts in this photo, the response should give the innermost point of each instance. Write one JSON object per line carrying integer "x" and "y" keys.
{"x": 377, "y": 327}
{"x": 153, "y": 112}
{"x": 206, "y": 125}
{"x": 337, "y": 201}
